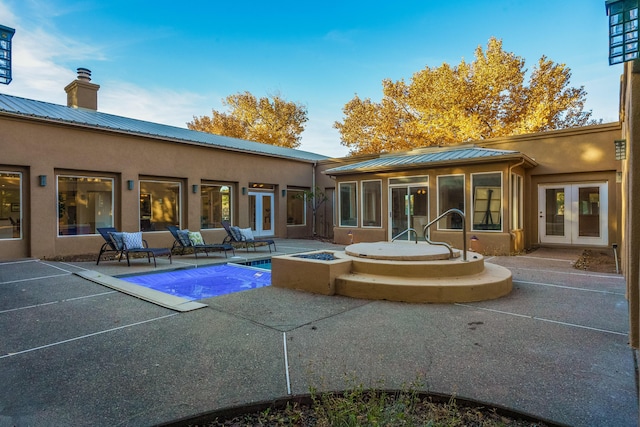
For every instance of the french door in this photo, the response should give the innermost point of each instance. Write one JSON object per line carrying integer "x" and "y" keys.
{"x": 573, "y": 213}
{"x": 261, "y": 213}
{"x": 409, "y": 209}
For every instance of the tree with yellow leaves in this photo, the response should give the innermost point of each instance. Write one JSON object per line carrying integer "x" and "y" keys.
{"x": 271, "y": 121}
{"x": 472, "y": 101}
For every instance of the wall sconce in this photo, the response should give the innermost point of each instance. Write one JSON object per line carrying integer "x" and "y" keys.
{"x": 130, "y": 184}
{"x": 284, "y": 193}
{"x": 623, "y": 30}
{"x": 474, "y": 238}
{"x": 43, "y": 180}
{"x": 244, "y": 191}
{"x": 194, "y": 188}
{"x": 621, "y": 149}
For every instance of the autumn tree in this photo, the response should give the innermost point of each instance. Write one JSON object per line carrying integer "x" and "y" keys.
{"x": 471, "y": 101}
{"x": 271, "y": 121}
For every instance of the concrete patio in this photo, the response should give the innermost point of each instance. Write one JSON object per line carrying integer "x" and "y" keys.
{"x": 77, "y": 353}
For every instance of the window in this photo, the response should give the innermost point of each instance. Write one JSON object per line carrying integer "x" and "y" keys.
{"x": 450, "y": 196}
{"x": 296, "y": 207}
{"x": 487, "y": 201}
{"x": 348, "y": 204}
{"x": 215, "y": 205}
{"x": 371, "y": 203}
{"x": 84, "y": 204}
{"x": 159, "y": 205}
{"x": 517, "y": 192}
{"x": 10, "y": 205}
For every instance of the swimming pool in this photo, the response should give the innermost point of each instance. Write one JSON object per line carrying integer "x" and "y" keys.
{"x": 204, "y": 282}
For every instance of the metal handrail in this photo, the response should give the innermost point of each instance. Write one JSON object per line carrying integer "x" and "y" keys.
{"x": 448, "y": 246}
{"x": 408, "y": 230}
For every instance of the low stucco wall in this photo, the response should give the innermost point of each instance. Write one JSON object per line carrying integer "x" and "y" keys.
{"x": 319, "y": 275}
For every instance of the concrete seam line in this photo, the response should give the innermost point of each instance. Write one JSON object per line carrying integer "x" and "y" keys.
{"x": 56, "y": 302}
{"x": 542, "y": 319}
{"x": 85, "y": 336}
{"x": 573, "y": 288}
{"x": 286, "y": 362}
{"x": 35, "y": 278}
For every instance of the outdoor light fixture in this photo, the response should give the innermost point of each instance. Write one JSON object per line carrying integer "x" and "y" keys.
{"x": 43, "y": 180}
{"x": 284, "y": 193}
{"x": 194, "y": 188}
{"x": 621, "y": 149}
{"x": 623, "y": 30}
{"x": 130, "y": 184}
{"x": 6, "y": 34}
{"x": 244, "y": 191}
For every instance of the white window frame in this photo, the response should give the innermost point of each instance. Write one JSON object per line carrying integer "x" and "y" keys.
{"x": 354, "y": 185}
{"x": 473, "y": 201}
{"x": 438, "y": 201}
{"x": 363, "y": 201}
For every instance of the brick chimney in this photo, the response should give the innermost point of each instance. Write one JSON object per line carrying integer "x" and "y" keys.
{"x": 81, "y": 93}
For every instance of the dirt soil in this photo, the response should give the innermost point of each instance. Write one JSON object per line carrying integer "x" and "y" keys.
{"x": 597, "y": 260}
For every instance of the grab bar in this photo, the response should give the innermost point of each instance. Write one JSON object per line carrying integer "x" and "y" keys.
{"x": 448, "y": 246}
{"x": 408, "y": 230}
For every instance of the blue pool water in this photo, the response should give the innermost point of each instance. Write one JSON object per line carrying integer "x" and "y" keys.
{"x": 204, "y": 282}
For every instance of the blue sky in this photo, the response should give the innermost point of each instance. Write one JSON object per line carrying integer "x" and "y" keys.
{"x": 169, "y": 61}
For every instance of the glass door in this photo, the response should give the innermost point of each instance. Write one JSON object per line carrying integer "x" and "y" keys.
{"x": 409, "y": 204}
{"x": 399, "y": 211}
{"x": 573, "y": 214}
{"x": 261, "y": 213}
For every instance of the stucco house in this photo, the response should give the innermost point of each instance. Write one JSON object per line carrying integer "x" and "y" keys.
{"x": 67, "y": 170}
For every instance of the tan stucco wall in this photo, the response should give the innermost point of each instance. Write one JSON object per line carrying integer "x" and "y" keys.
{"x": 45, "y": 148}
{"x": 630, "y": 115}
{"x": 567, "y": 156}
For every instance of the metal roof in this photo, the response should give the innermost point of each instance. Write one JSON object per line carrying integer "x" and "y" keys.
{"x": 428, "y": 157}
{"x": 84, "y": 117}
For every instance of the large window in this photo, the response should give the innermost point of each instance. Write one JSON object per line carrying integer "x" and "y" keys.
{"x": 159, "y": 205}
{"x": 371, "y": 203}
{"x": 517, "y": 196}
{"x": 487, "y": 201}
{"x": 348, "y": 204}
{"x": 296, "y": 207}
{"x": 84, "y": 204}
{"x": 10, "y": 205}
{"x": 215, "y": 204}
{"x": 450, "y": 196}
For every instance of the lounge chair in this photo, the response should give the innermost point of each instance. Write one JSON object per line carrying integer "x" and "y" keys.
{"x": 235, "y": 235}
{"x": 128, "y": 243}
{"x": 189, "y": 239}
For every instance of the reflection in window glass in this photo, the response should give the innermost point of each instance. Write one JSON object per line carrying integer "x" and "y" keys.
{"x": 348, "y": 204}
{"x": 296, "y": 207}
{"x": 371, "y": 203}
{"x": 10, "y": 205}
{"x": 84, "y": 204}
{"x": 450, "y": 196}
{"x": 159, "y": 205}
{"x": 215, "y": 205}
{"x": 487, "y": 201}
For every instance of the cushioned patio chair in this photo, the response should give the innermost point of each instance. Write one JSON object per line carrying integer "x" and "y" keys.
{"x": 128, "y": 243}
{"x": 244, "y": 237}
{"x": 185, "y": 239}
